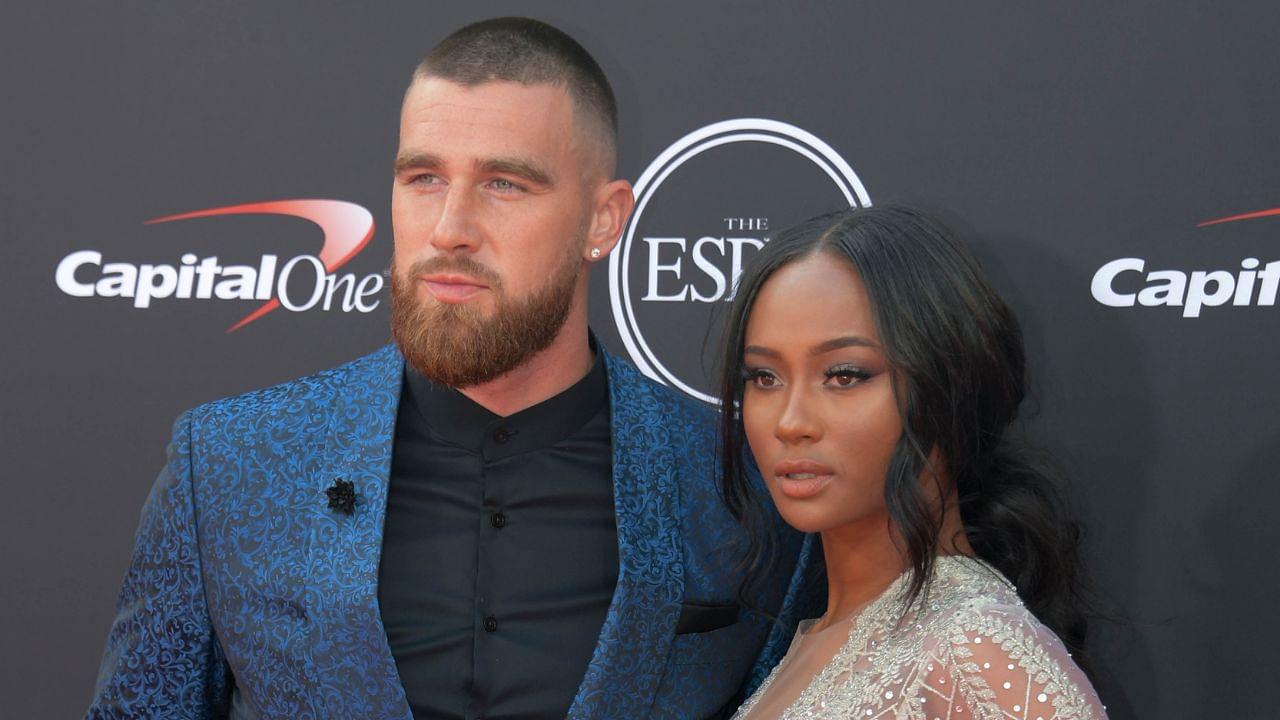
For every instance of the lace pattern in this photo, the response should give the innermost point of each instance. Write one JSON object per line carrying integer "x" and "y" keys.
{"x": 968, "y": 650}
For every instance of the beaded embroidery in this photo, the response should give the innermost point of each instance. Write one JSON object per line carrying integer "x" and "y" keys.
{"x": 968, "y": 649}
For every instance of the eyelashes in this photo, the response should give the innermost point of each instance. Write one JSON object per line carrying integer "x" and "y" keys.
{"x": 759, "y": 377}
{"x": 839, "y": 376}
{"x": 847, "y": 375}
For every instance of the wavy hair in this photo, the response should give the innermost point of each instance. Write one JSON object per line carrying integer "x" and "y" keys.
{"x": 959, "y": 372}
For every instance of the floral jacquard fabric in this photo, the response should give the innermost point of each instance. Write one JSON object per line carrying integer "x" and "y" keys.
{"x": 250, "y": 595}
{"x": 970, "y": 649}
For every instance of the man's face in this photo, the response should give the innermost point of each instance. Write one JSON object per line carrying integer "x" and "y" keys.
{"x": 490, "y": 209}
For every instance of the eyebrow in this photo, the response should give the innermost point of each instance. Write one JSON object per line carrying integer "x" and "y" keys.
{"x": 822, "y": 347}
{"x": 514, "y": 166}
{"x": 523, "y": 169}
{"x": 417, "y": 161}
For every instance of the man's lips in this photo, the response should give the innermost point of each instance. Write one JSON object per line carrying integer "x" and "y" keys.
{"x": 802, "y": 478}
{"x": 453, "y": 288}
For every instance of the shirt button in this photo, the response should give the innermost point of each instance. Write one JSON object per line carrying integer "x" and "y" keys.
{"x": 490, "y": 624}
{"x": 499, "y": 520}
{"x": 501, "y": 436}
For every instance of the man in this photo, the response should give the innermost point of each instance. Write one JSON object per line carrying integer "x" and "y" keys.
{"x": 492, "y": 518}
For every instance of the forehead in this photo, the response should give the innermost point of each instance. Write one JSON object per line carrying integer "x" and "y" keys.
{"x": 501, "y": 117}
{"x": 809, "y": 301}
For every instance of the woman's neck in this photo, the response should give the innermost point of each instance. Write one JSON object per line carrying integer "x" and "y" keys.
{"x": 862, "y": 561}
{"x": 864, "y": 558}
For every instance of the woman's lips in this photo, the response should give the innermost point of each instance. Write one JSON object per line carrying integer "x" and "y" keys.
{"x": 799, "y": 479}
{"x": 449, "y": 289}
{"x": 798, "y": 489}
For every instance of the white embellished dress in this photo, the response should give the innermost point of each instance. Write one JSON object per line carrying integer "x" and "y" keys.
{"x": 970, "y": 650}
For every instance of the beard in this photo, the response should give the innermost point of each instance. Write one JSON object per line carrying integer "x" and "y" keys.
{"x": 455, "y": 344}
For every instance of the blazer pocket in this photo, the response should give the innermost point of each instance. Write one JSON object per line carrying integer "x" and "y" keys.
{"x": 701, "y": 617}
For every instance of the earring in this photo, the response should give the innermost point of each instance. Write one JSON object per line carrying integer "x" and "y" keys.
{"x": 595, "y": 253}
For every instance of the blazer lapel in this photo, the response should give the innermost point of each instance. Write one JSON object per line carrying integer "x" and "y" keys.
{"x": 354, "y": 672}
{"x": 629, "y": 658}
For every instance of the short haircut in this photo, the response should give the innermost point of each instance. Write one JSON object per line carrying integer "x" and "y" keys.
{"x": 529, "y": 52}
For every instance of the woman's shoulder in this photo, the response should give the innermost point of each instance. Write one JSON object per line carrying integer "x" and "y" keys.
{"x": 968, "y": 594}
{"x": 999, "y": 656}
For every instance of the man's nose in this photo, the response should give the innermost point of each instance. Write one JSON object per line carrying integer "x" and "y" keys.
{"x": 799, "y": 422}
{"x": 456, "y": 228}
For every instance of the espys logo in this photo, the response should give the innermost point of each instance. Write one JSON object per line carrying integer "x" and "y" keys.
{"x": 1125, "y": 282}
{"x": 347, "y": 229}
{"x": 703, "y": 207}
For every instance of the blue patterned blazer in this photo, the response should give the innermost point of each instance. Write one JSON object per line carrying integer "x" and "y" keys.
{"x": 247, "y": 597}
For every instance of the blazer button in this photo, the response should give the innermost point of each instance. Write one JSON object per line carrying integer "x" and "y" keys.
{"x": 490, "y": 624}
{"x": 501, "y": 436}
{"x": 499, "y": 520}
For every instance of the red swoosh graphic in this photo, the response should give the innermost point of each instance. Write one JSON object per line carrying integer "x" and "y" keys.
{"x": 1245, "y": 216}
{"x": 347, "y": 228}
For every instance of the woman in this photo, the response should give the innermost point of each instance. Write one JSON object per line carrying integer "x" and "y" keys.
{"x": 876, "y": 374}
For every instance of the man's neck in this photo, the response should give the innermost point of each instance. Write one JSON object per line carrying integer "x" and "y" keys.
{"x": 546, "y": 374}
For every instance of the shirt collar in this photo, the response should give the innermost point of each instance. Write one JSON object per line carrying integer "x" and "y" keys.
{"x": 461, "y": 421}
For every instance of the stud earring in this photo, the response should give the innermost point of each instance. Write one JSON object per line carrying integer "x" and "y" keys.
{"x": 595, "y": 253}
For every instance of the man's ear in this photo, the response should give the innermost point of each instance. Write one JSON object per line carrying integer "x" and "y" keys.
{"x": 612, "y": 206}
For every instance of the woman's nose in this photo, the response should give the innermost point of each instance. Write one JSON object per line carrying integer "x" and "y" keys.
{"x": 799, "y": 421}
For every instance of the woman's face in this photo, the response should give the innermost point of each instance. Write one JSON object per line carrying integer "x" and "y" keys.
{"x": 818, "y": 408}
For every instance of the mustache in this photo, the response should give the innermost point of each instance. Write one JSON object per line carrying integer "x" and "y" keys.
{"x": 459, "y": 264}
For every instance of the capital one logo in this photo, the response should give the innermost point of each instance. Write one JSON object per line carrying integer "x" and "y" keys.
{"x": 347, "y": 228}
{"x": 704, "y": 207}
{"x": 1128, "y": 282}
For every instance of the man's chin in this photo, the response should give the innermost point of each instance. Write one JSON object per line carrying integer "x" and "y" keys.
{"x": 470, "y": 343}
{"x": 450, "y": 362}
{"x": 475, "y": 310}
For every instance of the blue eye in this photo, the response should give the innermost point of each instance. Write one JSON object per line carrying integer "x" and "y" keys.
{"x": 504, "y": 185}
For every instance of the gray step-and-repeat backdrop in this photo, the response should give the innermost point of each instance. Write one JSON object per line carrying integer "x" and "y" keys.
{"x": 1113, "y": 163}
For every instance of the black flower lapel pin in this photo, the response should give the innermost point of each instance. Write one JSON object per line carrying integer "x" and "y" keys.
{"x": 342, "y": 496}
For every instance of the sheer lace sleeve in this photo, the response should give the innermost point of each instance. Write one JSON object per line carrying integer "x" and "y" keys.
{"x": 1000, "y": 663}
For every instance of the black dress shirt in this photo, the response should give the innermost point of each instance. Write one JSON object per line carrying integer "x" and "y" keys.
{"x": 499, "y": 553}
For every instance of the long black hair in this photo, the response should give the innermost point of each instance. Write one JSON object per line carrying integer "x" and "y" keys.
{"x": 959, "y": 372}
